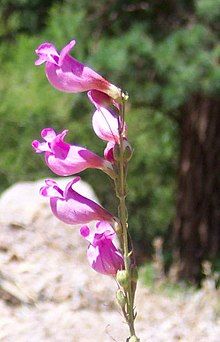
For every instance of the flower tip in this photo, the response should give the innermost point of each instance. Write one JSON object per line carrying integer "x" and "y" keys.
{"x": 51, "y": 189}
{"x": 125, "y": 96}
{"x": 65, "y": 51}
{"x": 35, "y": 144}
{"x": 50, "y": 182}
{"x": 70, "y": 184}
{"x": 37, "y": 51}
{"x": 63, "y": 133}
{"x": 44, "y": 47}
{"x": 43, "y": 191}
{"x": 39, "y": 61}
{"x": 72, "y": 42}
{"x": 75, "y": 180}
{"x": 85, "y": 231}
{"x": 48, "y": 134}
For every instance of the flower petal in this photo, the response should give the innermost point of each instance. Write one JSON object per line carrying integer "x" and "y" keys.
{"x": 66, "y": 50}
{"x": 106, "y": 125}
{"x": 48, "y": 134}
{"x": 40, "y": 147}
{"x": 46, "y": 53}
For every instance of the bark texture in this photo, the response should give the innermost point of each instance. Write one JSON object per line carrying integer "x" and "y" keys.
{"x": 197, "y": 224}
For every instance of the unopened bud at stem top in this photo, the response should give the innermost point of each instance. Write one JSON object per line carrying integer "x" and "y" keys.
{"x": 121, "y": 299}
{"x": 123, "y": 278}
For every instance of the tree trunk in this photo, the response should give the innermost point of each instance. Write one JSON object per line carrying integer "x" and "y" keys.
{"x": 197, "y": 224}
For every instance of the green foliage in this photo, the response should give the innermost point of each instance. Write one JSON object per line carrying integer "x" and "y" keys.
{"x": 147, "y": 276}
{"x": 17, "y": 16}
{"x": 161, "y": 53}
{"x": 151, "y": 180}
{"x": 209, "y": 11}
{"x": 21, "y": 87}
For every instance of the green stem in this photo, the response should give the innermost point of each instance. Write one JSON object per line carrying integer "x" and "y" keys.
{"x": 121, "y": 193}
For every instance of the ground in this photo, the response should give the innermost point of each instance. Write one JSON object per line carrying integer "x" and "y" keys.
{"x": 48, "y": 293}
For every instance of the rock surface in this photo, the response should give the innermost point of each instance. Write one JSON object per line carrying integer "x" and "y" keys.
{"x": 49, "y": 293}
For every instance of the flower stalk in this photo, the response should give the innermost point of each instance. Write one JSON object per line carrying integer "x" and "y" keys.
{"x": 125, "y": 278}
{"x": 67, "y": 74}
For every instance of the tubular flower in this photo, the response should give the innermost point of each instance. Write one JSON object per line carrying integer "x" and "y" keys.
{"x": 106, "y": 121}
{"x": 103, "y": 254}
{"x": 100, "y": 99}
{"x": 71, "y": 207}
{"x": 67, "y": 74}
{"x": 65, "y": 159}
{"x": 106, "y": 125}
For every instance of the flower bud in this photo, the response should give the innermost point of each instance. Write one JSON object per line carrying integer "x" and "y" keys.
{"x": 127, "y": 151}
{"x": 124, "y": 96}
{"x": 123, "y": 278}
{"x": 121, "y": 298}
{"x": 117, "y": 228}
{"x": 133, "y": 339}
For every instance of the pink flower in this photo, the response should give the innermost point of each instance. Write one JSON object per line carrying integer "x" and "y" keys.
{"x": 65, "y": 159}
{"x": 71, "y": 207}
{"x": 67, "y": 74}
{"x": 103, "y": 254}
{"x": 106, "y": 121}
{"x": 100, "y": 99}
{"x": 109, "y": 152}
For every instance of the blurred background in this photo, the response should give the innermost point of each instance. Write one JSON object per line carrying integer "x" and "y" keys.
{"x": 166, "y": 55}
